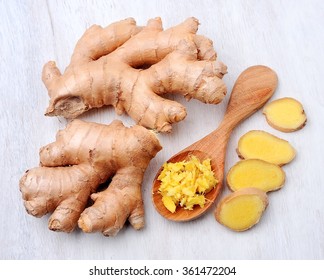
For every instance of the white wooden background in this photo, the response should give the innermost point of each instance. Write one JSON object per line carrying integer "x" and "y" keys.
{"x": 285, "y": 35}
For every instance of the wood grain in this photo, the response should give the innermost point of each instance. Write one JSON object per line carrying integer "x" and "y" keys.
{"x": 288, "y": 36}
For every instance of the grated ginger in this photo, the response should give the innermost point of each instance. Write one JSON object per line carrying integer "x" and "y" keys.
{"x": 185, "y": 183}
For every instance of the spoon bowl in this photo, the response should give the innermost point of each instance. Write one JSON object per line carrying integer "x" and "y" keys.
{"x": 181, "y": 213}
{"x": 251, "y": 91}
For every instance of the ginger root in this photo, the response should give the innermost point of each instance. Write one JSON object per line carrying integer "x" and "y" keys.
{"x": 255, "y": 173}
{"x": 84, "y": 156}
{"x": 242, "y": 209}
{"x": 285, "y": 114}
{"x": 257, "y": 144}
{"x": 129, "y": 67}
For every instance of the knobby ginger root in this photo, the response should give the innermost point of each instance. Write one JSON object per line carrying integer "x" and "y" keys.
{"x": 242, "y": 209}
{"x": 257, "y": 174}
{"x": 84, "y": 156}
{"x": 185, "y": 183}
{"x": 110, "y": 66}
{"x": 257, "y": 144}
{"x": 285, "y": 114}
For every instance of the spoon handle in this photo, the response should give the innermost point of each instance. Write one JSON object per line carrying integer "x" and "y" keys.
{"x": 251, "y": 91}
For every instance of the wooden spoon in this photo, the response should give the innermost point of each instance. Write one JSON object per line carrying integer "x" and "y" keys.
{"x": 251, "y": 91}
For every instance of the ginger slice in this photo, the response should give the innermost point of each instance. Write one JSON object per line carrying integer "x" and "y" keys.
{"x": 285, "y": 114}
{"x": 257, "y": 144}
{"x": 242, "y": 209}
{"x": 255, "y": 173}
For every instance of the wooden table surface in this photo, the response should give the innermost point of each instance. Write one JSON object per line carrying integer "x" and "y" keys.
{"x": 288, "y": 36}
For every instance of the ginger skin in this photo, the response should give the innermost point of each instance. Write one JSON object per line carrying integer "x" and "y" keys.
{"x": 109, "y": 66}
{"x": 84, "y": 156}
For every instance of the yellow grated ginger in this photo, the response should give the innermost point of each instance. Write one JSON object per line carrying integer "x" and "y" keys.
{"x": 185, "y": 183}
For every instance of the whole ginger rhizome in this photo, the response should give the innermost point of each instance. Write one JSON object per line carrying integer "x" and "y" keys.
{"x": 109, "y": 66}
{"x": 84, "y": 156}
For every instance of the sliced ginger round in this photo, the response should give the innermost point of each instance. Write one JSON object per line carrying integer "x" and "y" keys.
{"x": 255, "y": 173}
{"x": 285, "y": 114}
{"x": 242, "y": 209}
{"x": 258, "y": 144}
